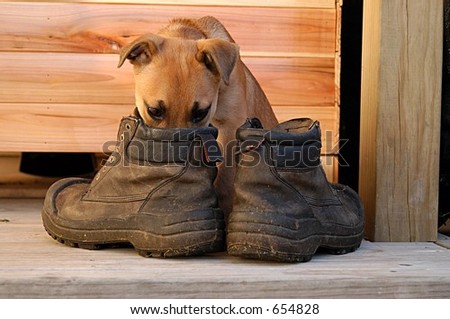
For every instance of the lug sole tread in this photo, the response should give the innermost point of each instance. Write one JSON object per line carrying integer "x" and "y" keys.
{"x": 175, "y": 245}
{"x": 275, "y": 248}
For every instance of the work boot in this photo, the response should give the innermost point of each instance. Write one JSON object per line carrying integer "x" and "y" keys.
{"x": 155, "y": 192}
{"x": 284, "y": 208}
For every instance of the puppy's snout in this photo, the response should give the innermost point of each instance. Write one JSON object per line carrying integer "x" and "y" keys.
{"x": 199, "y": 114}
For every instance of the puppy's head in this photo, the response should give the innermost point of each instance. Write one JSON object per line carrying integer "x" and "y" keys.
{"x": 177, "y": 80}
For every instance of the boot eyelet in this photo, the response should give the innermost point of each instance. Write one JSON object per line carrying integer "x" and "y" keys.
{"x": 128, "y": 126}
{"x": 122, "y": 137}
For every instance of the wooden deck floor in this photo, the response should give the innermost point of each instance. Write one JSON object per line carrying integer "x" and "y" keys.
{"x": 32, "y": 265}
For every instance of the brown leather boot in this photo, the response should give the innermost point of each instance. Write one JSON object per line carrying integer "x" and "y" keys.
{"x": 155, "y": 193}
{"x": 284, "y": 208}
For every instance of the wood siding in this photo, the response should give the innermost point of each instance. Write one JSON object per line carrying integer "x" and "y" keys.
{"x": 60, "y": 89}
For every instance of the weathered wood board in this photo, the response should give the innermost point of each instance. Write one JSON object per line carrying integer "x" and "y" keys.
{"x": 33, "y": 265}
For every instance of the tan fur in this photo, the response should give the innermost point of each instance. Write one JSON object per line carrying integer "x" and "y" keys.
{"x": 192, "y": 64}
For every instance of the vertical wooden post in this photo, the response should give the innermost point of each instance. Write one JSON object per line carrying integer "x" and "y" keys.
{"x": 400, "y": 118}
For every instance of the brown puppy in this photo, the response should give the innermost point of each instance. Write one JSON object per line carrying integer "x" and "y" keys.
{"x": 190, "y": 74}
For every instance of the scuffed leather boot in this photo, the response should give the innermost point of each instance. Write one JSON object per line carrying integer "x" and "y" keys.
{"x": 284, "y": 208}
{"x": 155, "y": 192}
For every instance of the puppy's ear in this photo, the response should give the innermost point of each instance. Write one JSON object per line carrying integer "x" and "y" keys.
{"x": 141, "y": 50}
{"x": 219, "y": 56}
{"x": 213, "y": 28}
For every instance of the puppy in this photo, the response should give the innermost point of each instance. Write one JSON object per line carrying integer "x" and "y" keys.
{"x": 190, "y": 74}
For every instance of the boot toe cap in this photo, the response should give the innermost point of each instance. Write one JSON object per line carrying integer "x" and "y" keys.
{"x": 56, "y": 188}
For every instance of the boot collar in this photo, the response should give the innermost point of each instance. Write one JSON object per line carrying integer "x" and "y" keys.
{"x": 292, "y": 144}
{"x": 296, "y": 131}
{"x": 166, "y": 145}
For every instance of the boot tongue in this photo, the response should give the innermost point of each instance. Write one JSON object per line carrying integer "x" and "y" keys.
{"x": 296, "y": 126}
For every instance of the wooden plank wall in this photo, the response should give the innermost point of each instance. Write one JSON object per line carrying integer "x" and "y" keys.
{"x": 60, "y": 89}
{"x": 400, "y": 118}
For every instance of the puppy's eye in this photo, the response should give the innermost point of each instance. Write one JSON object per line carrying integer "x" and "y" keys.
{"x": 155, "y": 113}
{"x": 199, "y": 114}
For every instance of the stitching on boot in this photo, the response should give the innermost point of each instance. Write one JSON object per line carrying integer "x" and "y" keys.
{"x": 161, "y": 185}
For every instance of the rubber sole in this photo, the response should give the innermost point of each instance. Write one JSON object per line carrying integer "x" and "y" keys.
{"x": 262, "y": 246}
{"x": 208, "y": 236}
